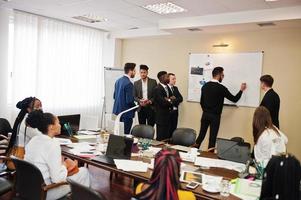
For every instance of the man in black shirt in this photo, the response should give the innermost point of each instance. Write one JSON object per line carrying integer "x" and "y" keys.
{"x": 212, "y": 102}
{"x": 271, "y": 99}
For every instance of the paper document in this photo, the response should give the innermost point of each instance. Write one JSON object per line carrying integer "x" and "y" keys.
{"x": 131, "y": 165}
{"x": 64, "y": 141}
{"x": 82, "y": 137}
{"x": 247, "y": 189}
{"x": 86, "y": 132}
{"x": 210, "y": 162}
{"x": 180, "y": 148}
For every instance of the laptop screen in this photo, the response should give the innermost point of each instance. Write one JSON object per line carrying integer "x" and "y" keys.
{"x": 69, "y": 124}
{"x": 233, "y": 150}
{"x": 119, "y": 147}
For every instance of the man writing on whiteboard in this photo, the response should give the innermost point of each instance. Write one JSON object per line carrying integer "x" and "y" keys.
{"x": 212, "y": 102}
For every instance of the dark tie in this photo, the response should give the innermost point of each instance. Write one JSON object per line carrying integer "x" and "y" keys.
{"x": 166, "y": 90}
{"x": 170, "y": 93}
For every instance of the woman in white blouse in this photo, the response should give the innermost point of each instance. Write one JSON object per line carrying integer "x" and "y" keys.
{"x": 44, "y": 151}
{"x": 268, "y": 139}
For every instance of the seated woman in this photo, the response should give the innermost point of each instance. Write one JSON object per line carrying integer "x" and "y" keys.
{"x": 18, "y": 137}
{"x": 281, "y": 180}
{"x": 268, "y": 139}
{"x": 164, "y": 183}
{"x": 44, "y": 151}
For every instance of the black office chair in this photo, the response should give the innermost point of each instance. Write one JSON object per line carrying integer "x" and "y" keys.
{"x": 80, "y": 192}
{"x": 29, "y": 182}
{"x": 143, "y": 131}
{"x": 183, "y": 136}
{"x": 238, "y": 139}
{"x": 5, "y": 183}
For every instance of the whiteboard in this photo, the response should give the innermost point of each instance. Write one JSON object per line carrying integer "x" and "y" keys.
{"x": 110, "y": 77}
{"x": 238, "y": 68}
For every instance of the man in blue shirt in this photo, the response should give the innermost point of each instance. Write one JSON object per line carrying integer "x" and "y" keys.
{"x": 124, "y": 98}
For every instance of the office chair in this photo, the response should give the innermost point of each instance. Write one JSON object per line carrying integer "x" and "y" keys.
{"x": 5, "y": 183}
{"x": 183, "y": 136}
{"x": 80, "y": 192}
{"x": 143, "y": 131}
{"x": 29, "y": 182}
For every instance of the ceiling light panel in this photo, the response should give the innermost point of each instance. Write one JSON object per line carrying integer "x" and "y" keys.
{"x": 164, "y": 8}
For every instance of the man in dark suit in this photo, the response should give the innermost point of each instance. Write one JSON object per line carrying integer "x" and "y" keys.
{"x": 163, "y": 106}
{"x": 124, "y": 98}
{"x": 143, "y": 93}
{"x": 271, "y": 99}
{"x": 176, "y": 100}
{"x": 212, "y": 102}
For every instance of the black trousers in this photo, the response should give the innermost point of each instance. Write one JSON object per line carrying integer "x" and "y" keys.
{"x": 213, "y": 121}
{"x": 146, "y": 115}
{"x": 128, "y": 122}
{"x": 163, "y": 131}
{"x": 173, "y": 122}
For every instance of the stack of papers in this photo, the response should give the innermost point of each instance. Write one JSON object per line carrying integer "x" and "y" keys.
{"x": 247, "y": 189}
{"x": 64, "y": 141}
{"x": 83, "y": 149}
{"x": 210, "y": 162}
{"x": 131, "y": 165}
{"x": 187, "y": 157}
{"x": 87, "y": 132}
{"x": 180, "y": 148}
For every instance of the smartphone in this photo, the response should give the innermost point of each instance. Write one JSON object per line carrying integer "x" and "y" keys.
{"x": 192, "y": 185}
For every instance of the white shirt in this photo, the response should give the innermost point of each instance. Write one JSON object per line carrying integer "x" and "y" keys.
{"x": 45, "y": 153}
{"x": 30, "y": 133}
{"x": 269, "y": 143}
{"x": 214, "y": 80}
{"x": 144, "y": 89}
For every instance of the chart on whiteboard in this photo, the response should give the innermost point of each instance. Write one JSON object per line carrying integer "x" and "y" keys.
{"x": 239, "y": 68}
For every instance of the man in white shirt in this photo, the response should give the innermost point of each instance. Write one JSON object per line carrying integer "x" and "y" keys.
{"x": 143, "y": 94}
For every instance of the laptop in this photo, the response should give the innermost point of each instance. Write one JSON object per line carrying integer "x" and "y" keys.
{"x": 69, "y": 124}
{"x": 232, "y": 150}
{"x": 119, "y": 147}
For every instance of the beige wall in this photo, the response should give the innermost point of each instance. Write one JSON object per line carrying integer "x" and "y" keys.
{"x": 282, "y": 59}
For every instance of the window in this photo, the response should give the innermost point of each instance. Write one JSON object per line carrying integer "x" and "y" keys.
{"x": 58, "y": 62}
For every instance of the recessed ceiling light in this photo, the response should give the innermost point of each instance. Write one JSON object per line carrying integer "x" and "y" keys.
{"x": 270, "y": 0}
{"x": 91, "y": 18}
{"x": 220, "y": 45}
{"x": 264, "y": 24}
{"x": 194, "y": 29}
{"x": 164, "y": 8}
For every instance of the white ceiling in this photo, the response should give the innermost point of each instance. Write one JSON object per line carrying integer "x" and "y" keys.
{"x": 126, "y": 14}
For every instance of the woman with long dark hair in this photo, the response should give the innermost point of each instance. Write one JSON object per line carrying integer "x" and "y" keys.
{"x": 164, "y": 183}
{"x": 281, "y": 180}
{"x": 44, "y": 152}
{"x": 268, "y": 139}
{"x": 26, "y": 106}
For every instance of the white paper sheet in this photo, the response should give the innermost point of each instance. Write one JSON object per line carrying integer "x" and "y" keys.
{"x": 131, "y": 165}
{"x": 64, "y": 141}
{"x": 210, "y": 162}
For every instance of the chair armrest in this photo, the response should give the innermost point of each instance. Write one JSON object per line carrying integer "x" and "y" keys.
{"x": 54, "y": 185}
{"x": 211, "y": 149}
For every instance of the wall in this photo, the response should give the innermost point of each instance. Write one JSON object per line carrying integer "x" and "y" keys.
{"x": 282, "y": 59}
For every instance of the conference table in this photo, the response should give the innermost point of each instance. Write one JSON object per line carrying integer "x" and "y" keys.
{"x": 145, "y": 176}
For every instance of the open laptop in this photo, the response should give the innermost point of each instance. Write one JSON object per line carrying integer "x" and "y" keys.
{"x": 233, "y": 150}
{"x": 69, "y": 124}
{"x": 119, "y": 147}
